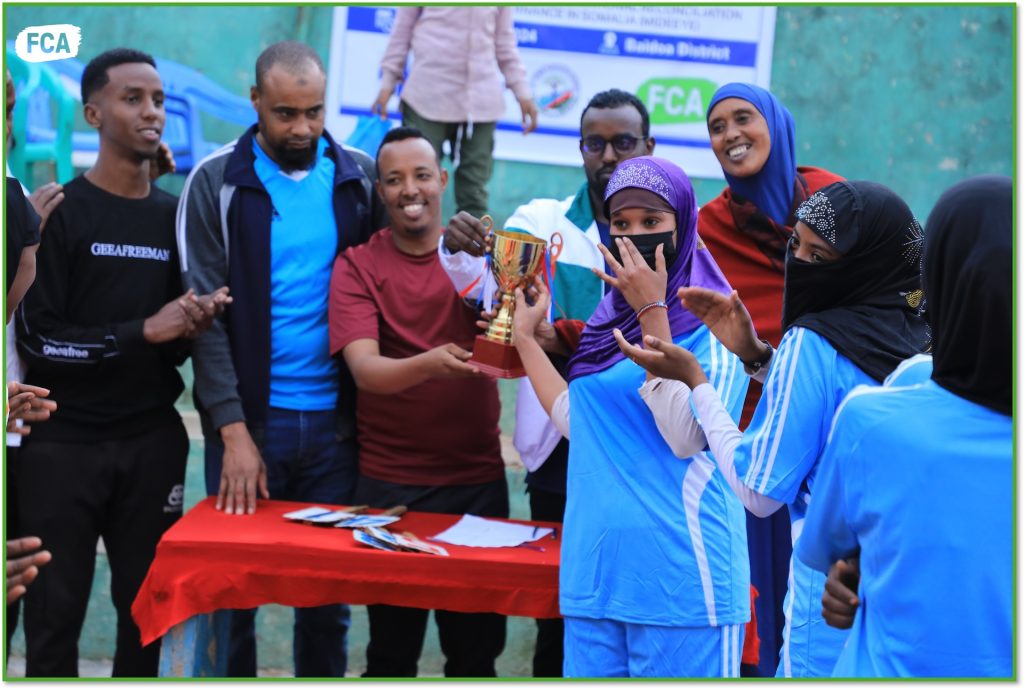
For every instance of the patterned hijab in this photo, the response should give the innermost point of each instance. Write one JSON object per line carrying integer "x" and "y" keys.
{"x": 868, "y": 303}
{"x": 694, "y": 266}
{"x": 968, "y": 269}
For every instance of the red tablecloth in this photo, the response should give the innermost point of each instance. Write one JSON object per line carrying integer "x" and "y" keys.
{"x": 210, "y": 561}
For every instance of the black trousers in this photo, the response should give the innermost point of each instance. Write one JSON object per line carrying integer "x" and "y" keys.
{"x": 126, "y": 491}
{"x": 471, "y": 642}
{"x": 11, "y": 521}
{"x": 548, "y": 656}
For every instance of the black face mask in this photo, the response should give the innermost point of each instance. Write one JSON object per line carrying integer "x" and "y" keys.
{"x": 647, "y": 245}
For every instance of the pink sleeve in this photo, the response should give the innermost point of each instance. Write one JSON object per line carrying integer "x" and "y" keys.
{"x": 352, "y": 311}
{"x": 392, "y": 65}
{"x": 507, "y": 54}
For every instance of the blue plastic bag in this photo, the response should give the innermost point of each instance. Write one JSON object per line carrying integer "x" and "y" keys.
{"x": 368, "y": 134}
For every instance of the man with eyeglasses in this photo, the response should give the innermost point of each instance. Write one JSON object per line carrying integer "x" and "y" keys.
{"x": 614, "y": 127}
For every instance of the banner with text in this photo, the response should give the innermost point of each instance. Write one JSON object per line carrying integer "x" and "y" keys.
{"x": 672, "y": 58}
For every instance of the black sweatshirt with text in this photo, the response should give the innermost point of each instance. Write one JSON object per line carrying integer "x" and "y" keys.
{"x": 105, "y": 264}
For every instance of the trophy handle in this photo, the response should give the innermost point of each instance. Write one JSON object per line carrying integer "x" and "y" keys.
{"x": 555, "y": 250}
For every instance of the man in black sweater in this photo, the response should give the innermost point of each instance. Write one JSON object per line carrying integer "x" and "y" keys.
{"x": 103, "y": 329}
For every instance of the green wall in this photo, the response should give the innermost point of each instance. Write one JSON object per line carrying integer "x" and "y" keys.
{"x": 916, "y": 97}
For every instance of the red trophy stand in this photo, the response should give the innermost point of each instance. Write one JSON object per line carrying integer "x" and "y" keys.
{"x": 493, "y": 352}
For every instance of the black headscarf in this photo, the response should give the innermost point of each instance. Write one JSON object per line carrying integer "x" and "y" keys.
{"x": 868, "y": 304}
{"x": 968, "y": 269}
{"x": 22, "y": 227}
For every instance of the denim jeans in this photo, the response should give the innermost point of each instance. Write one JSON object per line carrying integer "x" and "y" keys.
{"x": 306, "y": 462}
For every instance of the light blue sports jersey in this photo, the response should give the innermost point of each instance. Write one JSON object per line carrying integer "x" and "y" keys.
{"x": 922, "y": 481}
{"x": 916, "y": 369}
{"x": 303, "y": 244}
{"x": 650, "y": 538}
{"x": 777, "y": 457}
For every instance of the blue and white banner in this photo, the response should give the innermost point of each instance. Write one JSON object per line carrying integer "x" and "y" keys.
{"x": 673, "y": 58}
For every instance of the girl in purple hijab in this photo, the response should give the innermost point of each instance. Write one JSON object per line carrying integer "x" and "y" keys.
{"x": 654, "y": 579}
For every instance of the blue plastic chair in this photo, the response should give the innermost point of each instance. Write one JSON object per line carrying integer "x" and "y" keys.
{"x": 43, "y": 119}
{"x": 188, "y": 93}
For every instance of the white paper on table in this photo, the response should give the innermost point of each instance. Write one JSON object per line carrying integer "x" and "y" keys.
{"x": 486, "y": 533}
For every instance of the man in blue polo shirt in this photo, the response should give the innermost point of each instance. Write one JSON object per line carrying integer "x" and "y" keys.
{"x": 267, "y": 214}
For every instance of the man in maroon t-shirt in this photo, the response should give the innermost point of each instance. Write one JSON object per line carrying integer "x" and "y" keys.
{"x": 427, "y": 419}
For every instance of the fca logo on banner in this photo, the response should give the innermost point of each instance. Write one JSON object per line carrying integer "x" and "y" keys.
{"x": 48, "y": 43}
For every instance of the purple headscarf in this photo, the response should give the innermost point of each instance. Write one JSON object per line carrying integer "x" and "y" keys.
{"x": 693, "y": 267}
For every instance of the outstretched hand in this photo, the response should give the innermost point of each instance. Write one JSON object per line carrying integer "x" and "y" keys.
{"x": 450, "y": 361}
{"x": 664, "y": 359}
{"x": 727, "y": 319}
{"x": 633, "y": 277}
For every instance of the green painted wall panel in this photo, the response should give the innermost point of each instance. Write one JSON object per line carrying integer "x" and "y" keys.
{"x": 916, "y": 97}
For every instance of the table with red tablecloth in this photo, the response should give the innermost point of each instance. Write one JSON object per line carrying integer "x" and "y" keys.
{"x": 210, "y": 561}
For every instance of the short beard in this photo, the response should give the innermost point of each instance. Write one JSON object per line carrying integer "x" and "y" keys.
{"x": 292, "y": 159}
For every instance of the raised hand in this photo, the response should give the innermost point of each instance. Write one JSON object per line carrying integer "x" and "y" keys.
{"x": 45, "y": 199}
{"x": 633, "y": 277}
{"x": 468, "y": 233}
{"x": 727, "y": 319}
{"x": 163, "y": 163}
{"x": 529, "y": 319}
{"x": 664, "y": 359}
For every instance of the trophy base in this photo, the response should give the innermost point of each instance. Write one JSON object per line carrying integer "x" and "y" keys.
{"x": 496, "y": 359}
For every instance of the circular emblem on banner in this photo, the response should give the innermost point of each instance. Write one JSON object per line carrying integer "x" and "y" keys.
{"x": 555, "y": 89}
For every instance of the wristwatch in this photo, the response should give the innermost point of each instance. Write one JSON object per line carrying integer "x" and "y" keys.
{"x": 757, "y": 364}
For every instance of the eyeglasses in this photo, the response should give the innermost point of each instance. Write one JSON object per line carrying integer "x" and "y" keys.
{"x": 622, "y": 143}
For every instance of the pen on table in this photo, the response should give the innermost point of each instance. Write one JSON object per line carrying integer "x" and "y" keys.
{"x": 534, "y": 534}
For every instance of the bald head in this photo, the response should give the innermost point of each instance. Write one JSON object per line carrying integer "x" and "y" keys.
{"x": 292, "y": 56}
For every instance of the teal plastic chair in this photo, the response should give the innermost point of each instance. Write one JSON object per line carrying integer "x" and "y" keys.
{"x": 39, "y": 87}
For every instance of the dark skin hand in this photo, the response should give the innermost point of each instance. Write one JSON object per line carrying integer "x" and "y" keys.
{"x": 545, "y": 334}
{"x": 163, "y": 164}
{"x": 187, "y": 316}
{"x": 23, "y": 565}
{"x": 29, "y": 403}
{"x": 839, "y": 602}
{"x": 663, "y": 359}
{"x": 467, "y": 233}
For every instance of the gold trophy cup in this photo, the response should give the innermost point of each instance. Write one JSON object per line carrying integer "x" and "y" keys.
{"x": 516, "y": 259}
